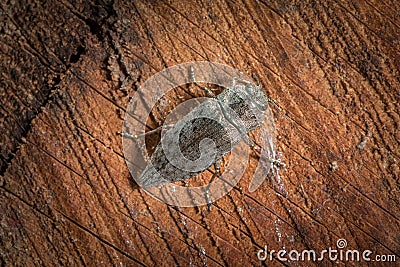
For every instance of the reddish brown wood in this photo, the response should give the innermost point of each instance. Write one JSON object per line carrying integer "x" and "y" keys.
{"x": 68, "y": 69}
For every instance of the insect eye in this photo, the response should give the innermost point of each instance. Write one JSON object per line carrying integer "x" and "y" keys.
{"x": 255, "y": 97}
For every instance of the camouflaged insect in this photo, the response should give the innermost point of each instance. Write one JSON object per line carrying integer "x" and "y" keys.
{"x": 225, "y": 120}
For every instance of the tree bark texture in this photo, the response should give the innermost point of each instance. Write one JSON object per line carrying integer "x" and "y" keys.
{"x": 69, "y": 68}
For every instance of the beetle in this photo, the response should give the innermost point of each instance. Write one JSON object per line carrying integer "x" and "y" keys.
{"x": 206, "y": 134}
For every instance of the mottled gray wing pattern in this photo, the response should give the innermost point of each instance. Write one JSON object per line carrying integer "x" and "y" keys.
{"x": 197, "y": 126}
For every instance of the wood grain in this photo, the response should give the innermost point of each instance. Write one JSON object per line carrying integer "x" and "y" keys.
{"x": 69, "y": 69}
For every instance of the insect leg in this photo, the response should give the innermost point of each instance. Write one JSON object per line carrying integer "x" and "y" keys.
{"x": 272, "y": 160}
{"x": 192, "y": 78}
{"x": 216, "y": 174}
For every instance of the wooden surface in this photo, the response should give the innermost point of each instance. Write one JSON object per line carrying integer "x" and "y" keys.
{"x": 68, "y": 69}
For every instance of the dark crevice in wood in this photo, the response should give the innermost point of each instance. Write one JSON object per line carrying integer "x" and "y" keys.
{"x": 5, "y": 160}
